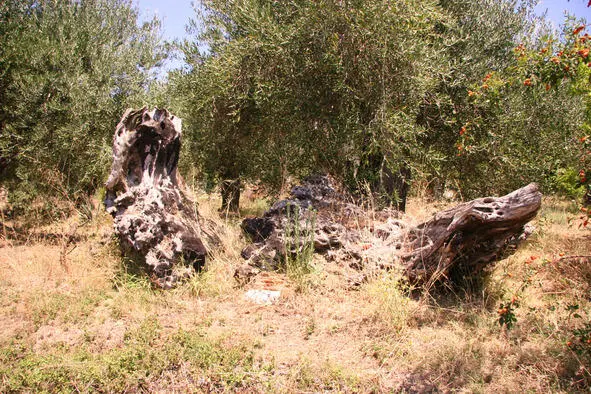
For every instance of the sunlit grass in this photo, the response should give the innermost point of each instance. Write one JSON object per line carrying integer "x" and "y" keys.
{"x": 97, "y": 323}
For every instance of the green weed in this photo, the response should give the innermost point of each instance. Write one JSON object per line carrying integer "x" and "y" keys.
{"x": 148, "y": 356}
{"x": 299, "y": 245}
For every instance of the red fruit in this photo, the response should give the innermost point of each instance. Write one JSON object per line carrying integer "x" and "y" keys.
{"x": 527, "y": 82}
{"x": 366, "y": 246}
{"x": 584, "y": 52}
{"x": 462, "y": 130}
{"x": 578, "y": 29}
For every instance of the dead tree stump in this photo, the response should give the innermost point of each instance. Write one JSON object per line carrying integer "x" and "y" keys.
{"x": 153, "y": 215}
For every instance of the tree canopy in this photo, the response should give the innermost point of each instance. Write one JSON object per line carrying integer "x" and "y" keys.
{"x": 375, "y": 93}
{"x": 366, "y": 91}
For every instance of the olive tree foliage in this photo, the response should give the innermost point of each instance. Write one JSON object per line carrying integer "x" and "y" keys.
{"x": 68, "y": 69}
{"x": 286, "y": 88}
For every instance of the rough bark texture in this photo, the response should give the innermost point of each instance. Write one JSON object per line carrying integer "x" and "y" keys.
{"x": 469, "y": 236}
{"x": 463, "y": 239}
{"x": 153, "y": 216}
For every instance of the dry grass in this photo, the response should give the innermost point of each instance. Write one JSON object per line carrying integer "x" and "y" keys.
{"x": 92, "y": 323}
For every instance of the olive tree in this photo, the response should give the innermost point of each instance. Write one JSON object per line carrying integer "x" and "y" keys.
{"x": 292, "y": 87}
{"x": 68, "y": 69}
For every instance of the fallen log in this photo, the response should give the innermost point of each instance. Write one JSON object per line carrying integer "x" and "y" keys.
{"x": 154, "y": 217}
{"x": 470, "y": 236}
{"x": 463, "y": 239}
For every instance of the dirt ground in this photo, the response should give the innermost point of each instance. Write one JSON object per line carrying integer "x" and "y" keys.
{"x": 77, "y": 317}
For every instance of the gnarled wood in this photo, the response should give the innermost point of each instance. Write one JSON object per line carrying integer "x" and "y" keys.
{"x": 465, "y": 238}
{"x": 471, "y": 235}
{"x": 153, "y": 216}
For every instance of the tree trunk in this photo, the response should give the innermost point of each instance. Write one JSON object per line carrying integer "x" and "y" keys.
{"x": 230, "y": 190}
{"x": 153, "y": 215}
{"x": 394, "y": 187}
{"x": 471, "y": 235}
{"x": 388, "y": 188}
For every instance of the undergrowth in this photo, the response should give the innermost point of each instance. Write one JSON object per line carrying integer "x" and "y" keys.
{"x": 95, "y": 323}
{"x": 147, "y": 357}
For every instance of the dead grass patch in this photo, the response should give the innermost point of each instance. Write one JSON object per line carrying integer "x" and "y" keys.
{"x": 96, "y": 324}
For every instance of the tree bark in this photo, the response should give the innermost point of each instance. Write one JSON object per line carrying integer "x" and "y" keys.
{"x": 153, "y": 215}
{"x": 388, "y": 188}
{"x": 230, "y": 191}
{"x": 394, "y": 187}
{"x": 464, "y": 239}
{"x": 471, "y": 235}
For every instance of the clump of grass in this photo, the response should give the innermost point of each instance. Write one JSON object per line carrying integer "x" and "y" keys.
{"x": 215, "y": 281}
{"x": 256, "y": 207}
{"x": 299, "y": 245}
{"x": 389, "y": 296}
{"x": 326, "y": 376}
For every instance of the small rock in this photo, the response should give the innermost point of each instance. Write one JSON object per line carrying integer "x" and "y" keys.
{"x": 263, "y": 297}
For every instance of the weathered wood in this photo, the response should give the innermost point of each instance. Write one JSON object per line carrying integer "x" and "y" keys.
{"x": 153, "y": 215}
{"x": 465, "y": 238}
{"x": 471, "y": 235}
